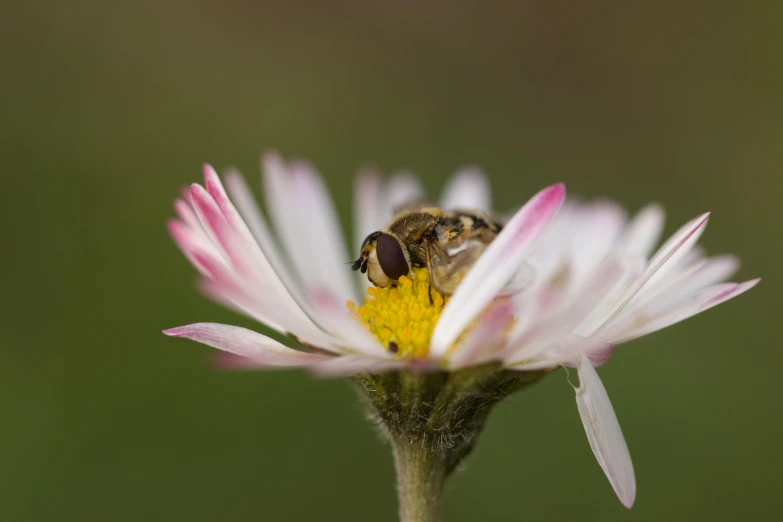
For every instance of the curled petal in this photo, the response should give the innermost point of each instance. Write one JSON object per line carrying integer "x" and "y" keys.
{"x": 604, "y": 433}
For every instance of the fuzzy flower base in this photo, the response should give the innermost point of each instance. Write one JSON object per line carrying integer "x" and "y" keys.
{"x": 433, "y": 421}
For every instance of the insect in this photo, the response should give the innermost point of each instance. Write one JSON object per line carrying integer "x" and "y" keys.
{"x": 447, "y": 243}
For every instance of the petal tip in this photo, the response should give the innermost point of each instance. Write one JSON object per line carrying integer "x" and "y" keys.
{"x": 173, "y": 332}
{"x": 750, "y": 283}
{"x": 556, "y": 190}
{"x": 175, "y": 227}
{"x": 554, "y": 194}
{"x": 270, "y": 159}
{"x": 369, "y": 174}
{"x": 196, "y": 190}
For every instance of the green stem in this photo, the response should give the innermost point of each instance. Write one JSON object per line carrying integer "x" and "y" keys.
{"x": 420, "y": 477}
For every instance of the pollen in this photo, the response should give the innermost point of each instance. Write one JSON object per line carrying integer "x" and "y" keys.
{"x": 403, "y": 316}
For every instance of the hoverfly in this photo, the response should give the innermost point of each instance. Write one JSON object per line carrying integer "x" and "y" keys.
{"x": 446, "y": 242}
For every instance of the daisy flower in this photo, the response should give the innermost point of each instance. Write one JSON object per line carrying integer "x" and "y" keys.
{"x": 562, "y": 284}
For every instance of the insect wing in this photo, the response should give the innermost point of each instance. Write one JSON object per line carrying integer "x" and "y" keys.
{"x": 522, "y": 280}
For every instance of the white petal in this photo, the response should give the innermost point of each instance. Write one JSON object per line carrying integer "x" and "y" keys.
{"x": 495, "y": 267}
{"x": 253, "y": 301}
{"x": 484, "y": 336}
{"x": 604, "y": 433}
{"x": 251, "y": 213}
{"x": 250, "y": 273}
{"x": 401, "y": 189}
{"x": 368, "y": 206}
{"x": 603, "y": 292}
{"x": 307, "y": 226}
{"x": 188, "y": 216}
{"x": 245, "y": 343}
{"x": 600, "y": 225}
{"x": 225, "y": 286}
{"x": 324, "y": 230}
{"x": 689, "y": 281}
{"x": 641, "y": 323}
{"x": 467, "y": 189}
{"x": 345, "y": 326}
{"x": 370, "y": 213}
{"x": 665, "y": 260}
{"x": 353, "y": 364}
{"x": 642, "y": 233}
{"x": 674, "y": 250}
{"x": 195, "y": 246}
{"x": 558, "y": 336}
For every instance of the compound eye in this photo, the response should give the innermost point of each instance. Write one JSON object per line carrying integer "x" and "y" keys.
{"x": 391, "y": 257}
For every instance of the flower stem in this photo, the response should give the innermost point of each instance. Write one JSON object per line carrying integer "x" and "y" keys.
{"x": 420, "y": 477}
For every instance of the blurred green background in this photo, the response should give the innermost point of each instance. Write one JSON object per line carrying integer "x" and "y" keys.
{"x": 110, "y": 107}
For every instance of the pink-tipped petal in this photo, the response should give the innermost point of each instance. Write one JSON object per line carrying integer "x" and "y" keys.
{"x": 243, "y": 236}
{"x": 604, "y": 433}
{"x": 215, "y": 189}
{"x": 674, "y": 250}
{"x": 186, "y": 214}
{"x": 216, "y": 226}
{"x": 245, "y": 343}
{"x": 195, "y": 247}
{"x": 665, "y": 260}
{"x": 467, "y": 189}
{"x": 495, "y": 268}
{"x": 641, "y": 323}
{"x": 696, "y": 277}
{"x": 249, "y": 268}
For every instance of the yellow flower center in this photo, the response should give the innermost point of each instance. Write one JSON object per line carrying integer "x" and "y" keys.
{"x": 403, "y": 316}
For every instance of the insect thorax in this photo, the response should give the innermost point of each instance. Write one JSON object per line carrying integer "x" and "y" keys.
{"x": 412, "y": 229}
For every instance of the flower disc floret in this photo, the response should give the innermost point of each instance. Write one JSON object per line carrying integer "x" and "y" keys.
{"x": 403, "y": 316}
